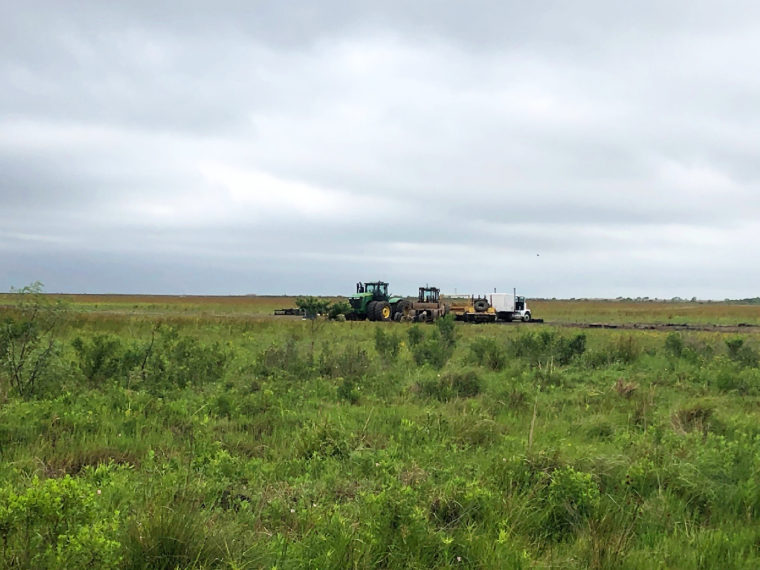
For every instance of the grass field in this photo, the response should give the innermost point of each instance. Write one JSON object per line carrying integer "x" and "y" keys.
{"x": 581, "y": 311}
{"x": 161, "y": 432}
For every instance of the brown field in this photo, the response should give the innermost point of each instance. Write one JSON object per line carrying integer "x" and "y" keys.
{"x": 553, "y": 311}
{"x": 602, "y": 311}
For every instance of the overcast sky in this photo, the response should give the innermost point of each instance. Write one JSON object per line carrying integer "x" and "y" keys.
{"x": 568, "y": 149}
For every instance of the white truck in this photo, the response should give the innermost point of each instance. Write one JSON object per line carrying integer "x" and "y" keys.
{"x": 509, "y": 307}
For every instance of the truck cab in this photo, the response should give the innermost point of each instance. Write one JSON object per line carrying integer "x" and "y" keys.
{"x": 510, "y": 307}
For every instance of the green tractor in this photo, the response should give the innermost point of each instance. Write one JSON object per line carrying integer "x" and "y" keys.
{"x": 372, "y": 302}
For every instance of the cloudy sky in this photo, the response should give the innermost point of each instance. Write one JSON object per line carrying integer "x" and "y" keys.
{"x": 588, "y": 148}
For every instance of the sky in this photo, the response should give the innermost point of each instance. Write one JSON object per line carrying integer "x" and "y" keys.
{"x": 566, "y": 149}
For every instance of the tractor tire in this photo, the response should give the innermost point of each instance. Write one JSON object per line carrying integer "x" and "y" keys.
{"x": 526, "y": 317}
{"x": 371, "y": 310}
{"x": 400, "y": 309}
{"x": 382, "y": 311}
{"x": 481, "y": 305}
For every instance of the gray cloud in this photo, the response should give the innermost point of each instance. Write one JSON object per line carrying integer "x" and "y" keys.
{"x": 258, "y": 146}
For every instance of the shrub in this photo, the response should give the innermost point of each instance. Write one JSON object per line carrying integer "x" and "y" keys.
{"x": 347, "y": 391}
{"x": 338, "y": 308}
{"x": 434, "y": 351}
{"x": 571, "y": 497}
{"x": 103, "y": 357}
{"x": 287, "y": 358}
{"x": 387, "y": 344}
{"x": 461, "y": 384}
{"x": 623, "y": 350}
{"x": 695, "y": 416}
{"x": 548, "y": 345}
{"x": 313, "y": 306}
{"x": 415, "y": 335}
{"x": 28, "y": 344}
{"x": 351, "y": 362}
{"x": 437, "y": 348}
{"x": 674, "y": 344}
{"x": 742, "y": 353}
{"x": 463, "y": 503}
{"x": 447, "y": 329}
{"x": 57, "y": 523}
{"x": 487, "y": 352}
{"x": 179, "y": 361}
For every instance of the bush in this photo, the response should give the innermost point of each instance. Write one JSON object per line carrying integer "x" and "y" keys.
{"x": 437, "y": 348}
{"x": 57, "y": 523}
{"x": 695, "y": 416}
{"x": 313, "y": 306}
{"x": 338, "y": 308}
{"x": 741, "y": 353}
{"x": 487, "y": 352}
{"x": 103, "y": 357}
{"x": 434, "y": 351}
{"x": 547, "y": 345}
{"x": 462, "y": 384}
{"x": 28, "y": 343}
{"x": 447, "y": 329}
{"x": 415, "y": 335}
{"x": 387, "y": 344}
{"x": 351, "y": 362}
{"x": 347, "y": 391}
{"x": 623, "y": 350}
{"x": 177, "y": 361}
{"x": 571, "y": 498}
{"x": 674, "y": 345}
{"x": 283, "y": 359}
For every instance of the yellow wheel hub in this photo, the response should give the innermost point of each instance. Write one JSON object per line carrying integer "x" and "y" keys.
{"x": 386, "y": 312}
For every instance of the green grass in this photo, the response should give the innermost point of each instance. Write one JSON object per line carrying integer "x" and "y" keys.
{"x": 247, "y": 442}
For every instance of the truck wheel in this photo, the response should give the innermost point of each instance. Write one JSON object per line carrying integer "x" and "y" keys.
{"x": 371, "y": 310}
{"x": 382, "y": 311}
{"x": 481, "y": 305}
{"x": 400, "y": 309}
{"x": 526, "y": 317}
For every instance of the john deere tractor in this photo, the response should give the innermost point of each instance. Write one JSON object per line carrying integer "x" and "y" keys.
{"x": 372, "y": 302}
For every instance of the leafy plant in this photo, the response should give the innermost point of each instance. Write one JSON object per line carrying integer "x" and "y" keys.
{"x": 387, "y": 344}
{"x": 460, "y": 384}
{"x": 28, "y": 340}
{"x": 313, "y": 306}
{"x": 57, "y": 523}
{"x": 485, "y": 351}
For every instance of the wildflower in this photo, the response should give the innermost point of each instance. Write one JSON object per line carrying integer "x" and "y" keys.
{"x": 292, "y": 510}
{"x": 459, "y": 558}
{"x": 98, "y": 491}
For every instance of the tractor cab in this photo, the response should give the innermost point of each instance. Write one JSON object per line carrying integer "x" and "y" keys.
{"x": 429, "y": 295}
{"x": 519, "y": 304}
{"x": 378, "y": 290}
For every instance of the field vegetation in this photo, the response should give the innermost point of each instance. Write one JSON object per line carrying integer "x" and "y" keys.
{"x": 192, "y": 433}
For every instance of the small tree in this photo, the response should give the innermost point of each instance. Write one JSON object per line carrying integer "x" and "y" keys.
{"x": 313, "y": 306}
{"x": 27, "y": 340}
